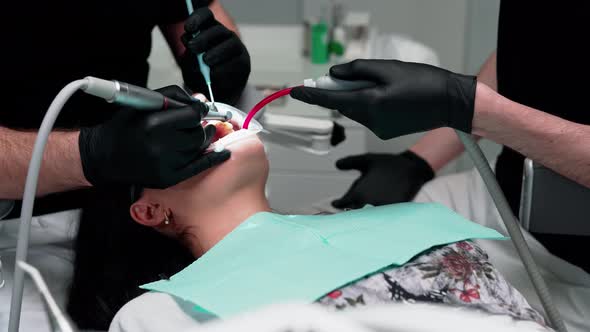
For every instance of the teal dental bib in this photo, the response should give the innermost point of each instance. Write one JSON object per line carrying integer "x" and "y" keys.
{"x": 271, "y": 258}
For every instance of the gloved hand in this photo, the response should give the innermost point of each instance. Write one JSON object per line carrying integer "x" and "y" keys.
{"x": 152, "y": 149}
{"x": 408, "y": 97}
{"x": 385, "y": 179}
{"x": 225, "y": 54}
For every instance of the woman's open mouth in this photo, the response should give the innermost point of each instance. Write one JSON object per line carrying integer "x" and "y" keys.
{"x": 228, "y": 133}
{"x": 223, "y": 129}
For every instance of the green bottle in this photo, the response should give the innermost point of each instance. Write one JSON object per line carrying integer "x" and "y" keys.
{"x": 320, "y": 43}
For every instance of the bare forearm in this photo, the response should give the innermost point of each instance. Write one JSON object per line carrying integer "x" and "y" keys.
{"x": 61, "y": 169}
{"x": 223, "y": 16}
{"x": 559, "y": 144}
{"x": 173, "y": 32}
{"x": 440, "y": 146}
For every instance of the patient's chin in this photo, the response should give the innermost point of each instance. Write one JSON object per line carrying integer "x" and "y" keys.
{"x": 248, "y": 147}
{"x": 248, "y": 161}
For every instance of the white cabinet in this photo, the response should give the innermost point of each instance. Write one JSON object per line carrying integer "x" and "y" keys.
{"x": 299, "y": 180}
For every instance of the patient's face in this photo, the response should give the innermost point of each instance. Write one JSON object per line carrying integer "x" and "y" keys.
{"x": 247, "y": 169}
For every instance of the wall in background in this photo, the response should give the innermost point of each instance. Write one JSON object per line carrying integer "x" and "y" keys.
{"x": 439, "y": 24}
{"x": 480, "y": 33}
{"x": 265, "y": 11}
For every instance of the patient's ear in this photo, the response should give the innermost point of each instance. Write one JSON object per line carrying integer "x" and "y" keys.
{"x": 147, "y": 213}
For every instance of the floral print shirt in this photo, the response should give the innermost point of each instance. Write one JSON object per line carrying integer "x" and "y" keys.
{"x": 457, "y": 274}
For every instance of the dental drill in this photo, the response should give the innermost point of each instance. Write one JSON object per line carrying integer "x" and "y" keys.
{"x": 113, "y": 92}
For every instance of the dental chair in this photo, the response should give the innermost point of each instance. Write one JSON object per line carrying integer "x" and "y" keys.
{"x": 552, "y": 203}
{"x": 5, "y": 208}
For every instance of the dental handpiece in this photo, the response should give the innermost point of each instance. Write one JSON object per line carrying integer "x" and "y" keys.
{"x": 139, "y": 98}
{"x": 328, "y": 82}
{"x": 129, "y": 95}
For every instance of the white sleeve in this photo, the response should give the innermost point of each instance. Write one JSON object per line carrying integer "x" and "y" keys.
{"x": 156, "y": 312}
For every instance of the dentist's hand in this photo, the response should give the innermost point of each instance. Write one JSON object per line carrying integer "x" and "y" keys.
{"x": 225, "y": 54}
{"x": 385, "y": 179}
{"x": 408, "y": 97}
{"x": 153, "y": 149}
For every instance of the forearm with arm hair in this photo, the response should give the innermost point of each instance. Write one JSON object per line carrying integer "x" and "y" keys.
{"x": 223, "y": 16}
{"x": 440, "y": 146}
{"x": 559, "y": 144}
{"x": 61, "y": 169}
{"x": 173, "y": 32}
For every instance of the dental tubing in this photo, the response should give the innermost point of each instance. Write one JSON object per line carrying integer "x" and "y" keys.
{"x": 511, "y": 223}
{"x": 263, "y": 103}
{"x": 325, "y": 82}
{"x": 24, "y": 230}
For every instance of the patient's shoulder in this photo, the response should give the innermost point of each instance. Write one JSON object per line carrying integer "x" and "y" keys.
{"x": 156, "y": 312}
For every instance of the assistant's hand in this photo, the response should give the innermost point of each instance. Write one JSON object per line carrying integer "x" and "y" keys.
{"x": 385, "y": 179}
{"x": 408, "y": 97}
{"x": 153, "y": 149}
{"x": 225, "y": 54}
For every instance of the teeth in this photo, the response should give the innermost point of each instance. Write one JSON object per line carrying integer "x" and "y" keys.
{"x": 236, "y": 136}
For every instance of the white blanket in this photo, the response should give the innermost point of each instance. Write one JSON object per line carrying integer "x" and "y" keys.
{"x": 569, "y": 285}
{"x": 50, "y": 252}
{"x": 157, "y": 312}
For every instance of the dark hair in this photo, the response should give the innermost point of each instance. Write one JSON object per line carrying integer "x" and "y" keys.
{"x": 114, "y": 256}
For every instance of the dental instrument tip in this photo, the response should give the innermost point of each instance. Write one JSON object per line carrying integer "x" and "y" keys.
{"x": 214, "y": 115}
{"x": 211, "y": 93}
{"x": 213, "y": 108}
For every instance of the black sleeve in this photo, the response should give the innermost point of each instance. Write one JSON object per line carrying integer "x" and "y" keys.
{"x": 174, "y": 11}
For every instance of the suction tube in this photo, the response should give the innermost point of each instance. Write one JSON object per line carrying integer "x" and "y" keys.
{"x": 513, "y": 228}
{"x": 264, "y": 102}
{"x": 325, "y": 82}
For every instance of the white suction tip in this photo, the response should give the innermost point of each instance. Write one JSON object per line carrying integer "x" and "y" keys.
{"x": 309, "y": 82}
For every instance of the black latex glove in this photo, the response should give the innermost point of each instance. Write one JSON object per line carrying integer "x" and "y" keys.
{"x": 152, "y": 149}
{"x": 225, "y": 54}
{"x": 385, "y": 179}
{"x": 408, "y": 97}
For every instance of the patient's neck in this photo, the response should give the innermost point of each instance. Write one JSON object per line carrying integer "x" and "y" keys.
{"x": 207, "y": 226}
